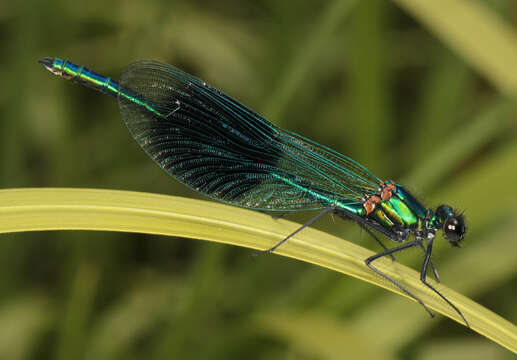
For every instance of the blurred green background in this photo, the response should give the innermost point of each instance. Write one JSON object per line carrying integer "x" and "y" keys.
{"x": 420, "y": 92}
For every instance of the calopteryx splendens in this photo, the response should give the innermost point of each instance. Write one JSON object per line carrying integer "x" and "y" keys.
{"x": 210, "y": 142}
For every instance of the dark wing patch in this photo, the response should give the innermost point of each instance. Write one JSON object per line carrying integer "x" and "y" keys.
{"x": 210, "y": 142}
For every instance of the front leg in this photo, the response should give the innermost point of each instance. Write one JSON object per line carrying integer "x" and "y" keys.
{"x": 433, "y": 268}
{"x": 423, "y": 279}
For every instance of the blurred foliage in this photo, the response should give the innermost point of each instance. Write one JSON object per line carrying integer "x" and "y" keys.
{"x": 418, "y": 93}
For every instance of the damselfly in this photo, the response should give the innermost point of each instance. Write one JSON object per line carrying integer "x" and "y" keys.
{"x": 210, "y": 142}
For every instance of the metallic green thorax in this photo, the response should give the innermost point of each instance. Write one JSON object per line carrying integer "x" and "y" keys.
{"x": 401, "y": 210}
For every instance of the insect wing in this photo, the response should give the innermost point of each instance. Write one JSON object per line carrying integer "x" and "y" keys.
{"x": 213, "y": 144}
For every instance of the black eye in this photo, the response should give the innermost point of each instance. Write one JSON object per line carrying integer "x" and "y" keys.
{"x": 454, "y": 229}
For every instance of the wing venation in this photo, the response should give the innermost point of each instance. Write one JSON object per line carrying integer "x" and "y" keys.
{"x": 210, "y": 142}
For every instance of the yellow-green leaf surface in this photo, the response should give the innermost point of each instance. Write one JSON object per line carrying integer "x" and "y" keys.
{"x": 89, "y": 209}
{"x": 476, "y": 33}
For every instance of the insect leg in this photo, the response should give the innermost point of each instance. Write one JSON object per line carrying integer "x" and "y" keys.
{"x": 389, "y": 278}
{"x": 435, "y": 271}
{"x": 309, "y": 223}
{"x": 362, "y": 223}
{"x": 376, "y": 238}
{"x": 423, "y": 279}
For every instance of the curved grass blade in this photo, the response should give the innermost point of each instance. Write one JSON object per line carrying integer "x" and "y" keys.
{"x": 86, "y": 209}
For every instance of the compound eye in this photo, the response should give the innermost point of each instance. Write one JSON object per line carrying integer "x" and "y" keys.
{"x": 454, "y": 229}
